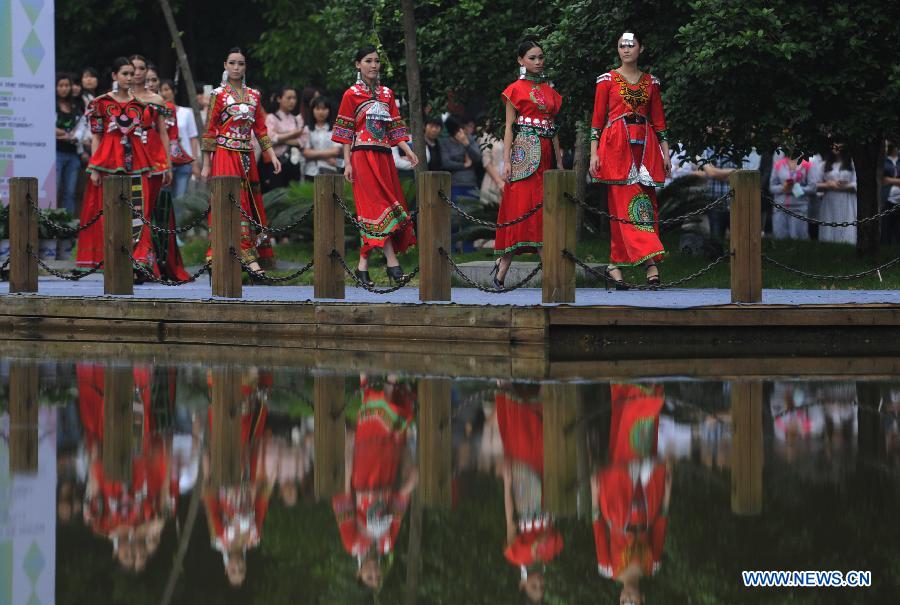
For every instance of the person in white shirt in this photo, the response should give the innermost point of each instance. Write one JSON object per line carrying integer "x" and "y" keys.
{"x": 323, "y": 156}
{"x": 188, "y": 139}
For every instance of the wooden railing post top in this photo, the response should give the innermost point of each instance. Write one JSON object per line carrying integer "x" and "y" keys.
{"x": 743, "y": 176}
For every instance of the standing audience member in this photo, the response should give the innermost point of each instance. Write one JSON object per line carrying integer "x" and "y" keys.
{"x": 433, "y": 127}
{"x": 186, "y": 148}
{"x": 717, "y": 169}
{"x": 459, "y": 154}
{"x": 838, "y": 183}
{"x": 791, "y": 184}
{"x": 90, "y": 85}
{"x": 68, "y": 132}
{"x": 289, "y": 136}
{"x": 492, "y": 157}
{"x": 890, "y": 224}
{"x": 306, "y": 98}
{"x": 322, "y": 154}
{"x": 203, "y": 103}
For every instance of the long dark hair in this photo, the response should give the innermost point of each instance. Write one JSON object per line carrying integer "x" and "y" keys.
{"x": 831, "y": 158}
{"x": 367, "y": 49}
{"x": 320, "y": 101}
{"x": 525, "y": 46}
{"x": 305, "y": 102}
{"x": 278, "y": 94}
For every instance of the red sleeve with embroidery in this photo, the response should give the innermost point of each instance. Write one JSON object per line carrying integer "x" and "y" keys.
{"x": 95, "y": 115}
{"x": 601, "y": 108}
{"x": 259, "y": 127}
{"x": 345, "y": 513}
{"x": 656, "y": 114}
{"x": 510, "y": 93}
{"x": 345, "y": 122}
{"x": 398, "y": 132}
{"x": 172, "y": 123}
{"x": 208, "y": 140}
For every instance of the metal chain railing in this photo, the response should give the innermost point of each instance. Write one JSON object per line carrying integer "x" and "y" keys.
{"x": 660, "y": 286}
{"x": 490, "y": 290}
{"x": 820, "y": 223}
{"x": 400, "y": 284}
{"x": 837, "y": 277}
{"x": 265, "y": 277}
{"x": 164, "y": 230}
{"x": 484, "y": 222}
{"x": 666, "y": 221}
{"x": 61, "y": 229}
{"x": 150, "y": 277}
{"x": 264, "y": 228}
{"x": 74, "y": 275}
{"x": 410, "y": 218}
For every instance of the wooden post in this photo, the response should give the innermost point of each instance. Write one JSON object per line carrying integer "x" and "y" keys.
{"x": 118, "y": 421}
{"x": 328, "y": 235}
{"x": 23, "y": 235}
{"x": 118, "y": 272}
{"x": 747, "y": 448}
{"x": 225, "y": 235}
{"x": 433, "y": 234}
{"x": 560, "y": 448}
{"x": 560, "y": 233}
{"x": 746, "y": 248}
{"x": 23, "y": 417}
{"x": 435, "y": 442}
{"x": 329, "y": 436}
{"x": 225, "y": 445}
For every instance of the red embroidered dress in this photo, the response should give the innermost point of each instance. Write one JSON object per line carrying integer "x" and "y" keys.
{"x": 122, "y": 150}
{"x": 369, "y": 517}
{"x": 521, "y": 424}
{"x": 629, "y": 516}
{"x": 629, "y": 124}
{"x": 234, "y": 117}
{"x": 370, "y": 123}
{"x": 536, "y": 105}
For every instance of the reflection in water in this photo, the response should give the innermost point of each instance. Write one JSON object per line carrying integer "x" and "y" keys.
{"x": 303, "y": 485}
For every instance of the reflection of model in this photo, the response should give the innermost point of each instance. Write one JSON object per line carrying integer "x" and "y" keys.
{"x": 380, "y": 481}
{"x": 532, "y": 540}
{"x": 630, "y": 494}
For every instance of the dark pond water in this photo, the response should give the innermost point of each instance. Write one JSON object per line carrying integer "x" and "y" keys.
{"x": 135, "y": 483}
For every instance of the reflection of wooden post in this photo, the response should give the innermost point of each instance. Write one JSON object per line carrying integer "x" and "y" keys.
{"x": 23, "y": 235}
{"x": 118, "y": 422}
{"x": 433, "y": 234}
{"x": 328, "y": 236}
{"x": 747, "y": 448}
{"x": 560, "y": 448}
{"x": 225, "y": 445}
{"x": 329, "y": 435}
{"x": 23, "y": 418}
{"x": 225, "y": 235}
{"x": 435, "y": 441}
{"x": 746, "y": 264}
{"x": 560, "y": 233}
{"x": 118, "y": 272}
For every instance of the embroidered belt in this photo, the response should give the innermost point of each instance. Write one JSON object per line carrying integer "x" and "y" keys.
{"x": 635, "y": 119}
{"x": 547, "y": 132}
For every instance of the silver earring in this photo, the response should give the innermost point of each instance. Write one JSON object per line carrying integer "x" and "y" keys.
{"x": 359, "y": 76}
{"x": 225, "y": 77}
{"x": 115, "y": 86}
{"x": 244, "y": 81}
{"x": 522, "y": 71}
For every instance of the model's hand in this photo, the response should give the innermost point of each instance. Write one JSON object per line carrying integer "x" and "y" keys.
{"x": 276, "y": 165}
{"x": 507, "y": 170}
{"x": 413, "y": 159}
{"x": 467, "y": 161}
{"x": 167, "y": 178}
{"x": 595, "y": 165}
{"x": 95, "y": 178}
{"x": 667, "y": 164}
{"x": 204, "y": 173}
{"x": 196, "y": 170}
{"x": 348, "y": 172}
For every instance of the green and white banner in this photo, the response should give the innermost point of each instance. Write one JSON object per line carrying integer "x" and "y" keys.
{"x": 27, "y": 96}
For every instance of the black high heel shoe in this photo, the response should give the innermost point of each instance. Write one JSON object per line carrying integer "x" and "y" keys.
{"x": 495, "y": 272}
{"x": 395, "y": 274}
{"x": 619, "y": 283}
{"x": 653, "y": 280}
{"x": 363, "y": 276}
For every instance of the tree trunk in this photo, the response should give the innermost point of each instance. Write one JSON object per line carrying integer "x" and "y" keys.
{"x": 413, "y": 83}
{"x": 582, "y": 163}
{"x": 869, "y": 163}
{"x": 183, "y": 62}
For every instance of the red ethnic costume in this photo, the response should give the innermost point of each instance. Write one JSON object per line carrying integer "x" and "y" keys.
{"x": 536, "y": 105}
{"x": 630, "y": 506}
{"x": 123, "y": 151}
{"x": 234, "y": 117}
{"x": 369, "y": 517}
{"x": 629, "y": 124}
{"x": 369, "y": 122}
{"x": 521, "y": 421}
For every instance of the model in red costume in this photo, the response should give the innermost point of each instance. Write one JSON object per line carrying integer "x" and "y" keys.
{"x": 381, "y": 480}
{"x": 532, "y": 540}
{"x": 235, "y": 513}
{"x": 368, "y": 125}
{"x": 118, "y": 146}
{"x": 133, "y": 513}
{"x": 235, "y": 114}
{"x": 162, "y": 214}
{"x": 630, "y": 153}
{"x": 630, "y": 495}
{"x": 529, "y": 140}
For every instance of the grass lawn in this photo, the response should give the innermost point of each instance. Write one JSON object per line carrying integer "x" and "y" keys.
{"x": 814, "y": 257}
